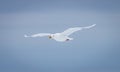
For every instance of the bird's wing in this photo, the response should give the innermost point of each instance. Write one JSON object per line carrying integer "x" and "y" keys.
{"x": 38, "y": 35}
{"x": 69, "y": 31}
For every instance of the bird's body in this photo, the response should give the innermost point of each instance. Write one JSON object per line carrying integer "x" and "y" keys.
{"x": 63, "y": 36}
{"x": 60, "y": 37}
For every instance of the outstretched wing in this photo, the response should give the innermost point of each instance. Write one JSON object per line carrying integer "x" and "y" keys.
{"x": 38, "y": 35}
{"x": 72, "y": 30}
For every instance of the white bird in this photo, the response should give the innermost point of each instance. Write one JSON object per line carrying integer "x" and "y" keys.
{"x": 63, "y": 36}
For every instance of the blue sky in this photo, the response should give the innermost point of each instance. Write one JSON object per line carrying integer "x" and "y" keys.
{"x": 94, "y": 50}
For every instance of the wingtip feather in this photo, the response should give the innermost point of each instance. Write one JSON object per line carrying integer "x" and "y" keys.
{"x": 94, "y": 25}
{"x": 26, "y": 35}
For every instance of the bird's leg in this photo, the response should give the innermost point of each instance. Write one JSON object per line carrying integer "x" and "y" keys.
{"x": 67, "y": 39}
{"x": 49, "y": 37}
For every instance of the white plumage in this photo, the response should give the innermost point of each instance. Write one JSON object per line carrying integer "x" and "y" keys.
{"x": 63, "y": 36}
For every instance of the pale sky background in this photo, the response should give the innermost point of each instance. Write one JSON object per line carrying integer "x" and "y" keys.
{"x": 93, "y": 50}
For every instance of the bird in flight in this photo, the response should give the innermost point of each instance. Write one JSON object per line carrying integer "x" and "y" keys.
{"x": 63, "y": 36}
